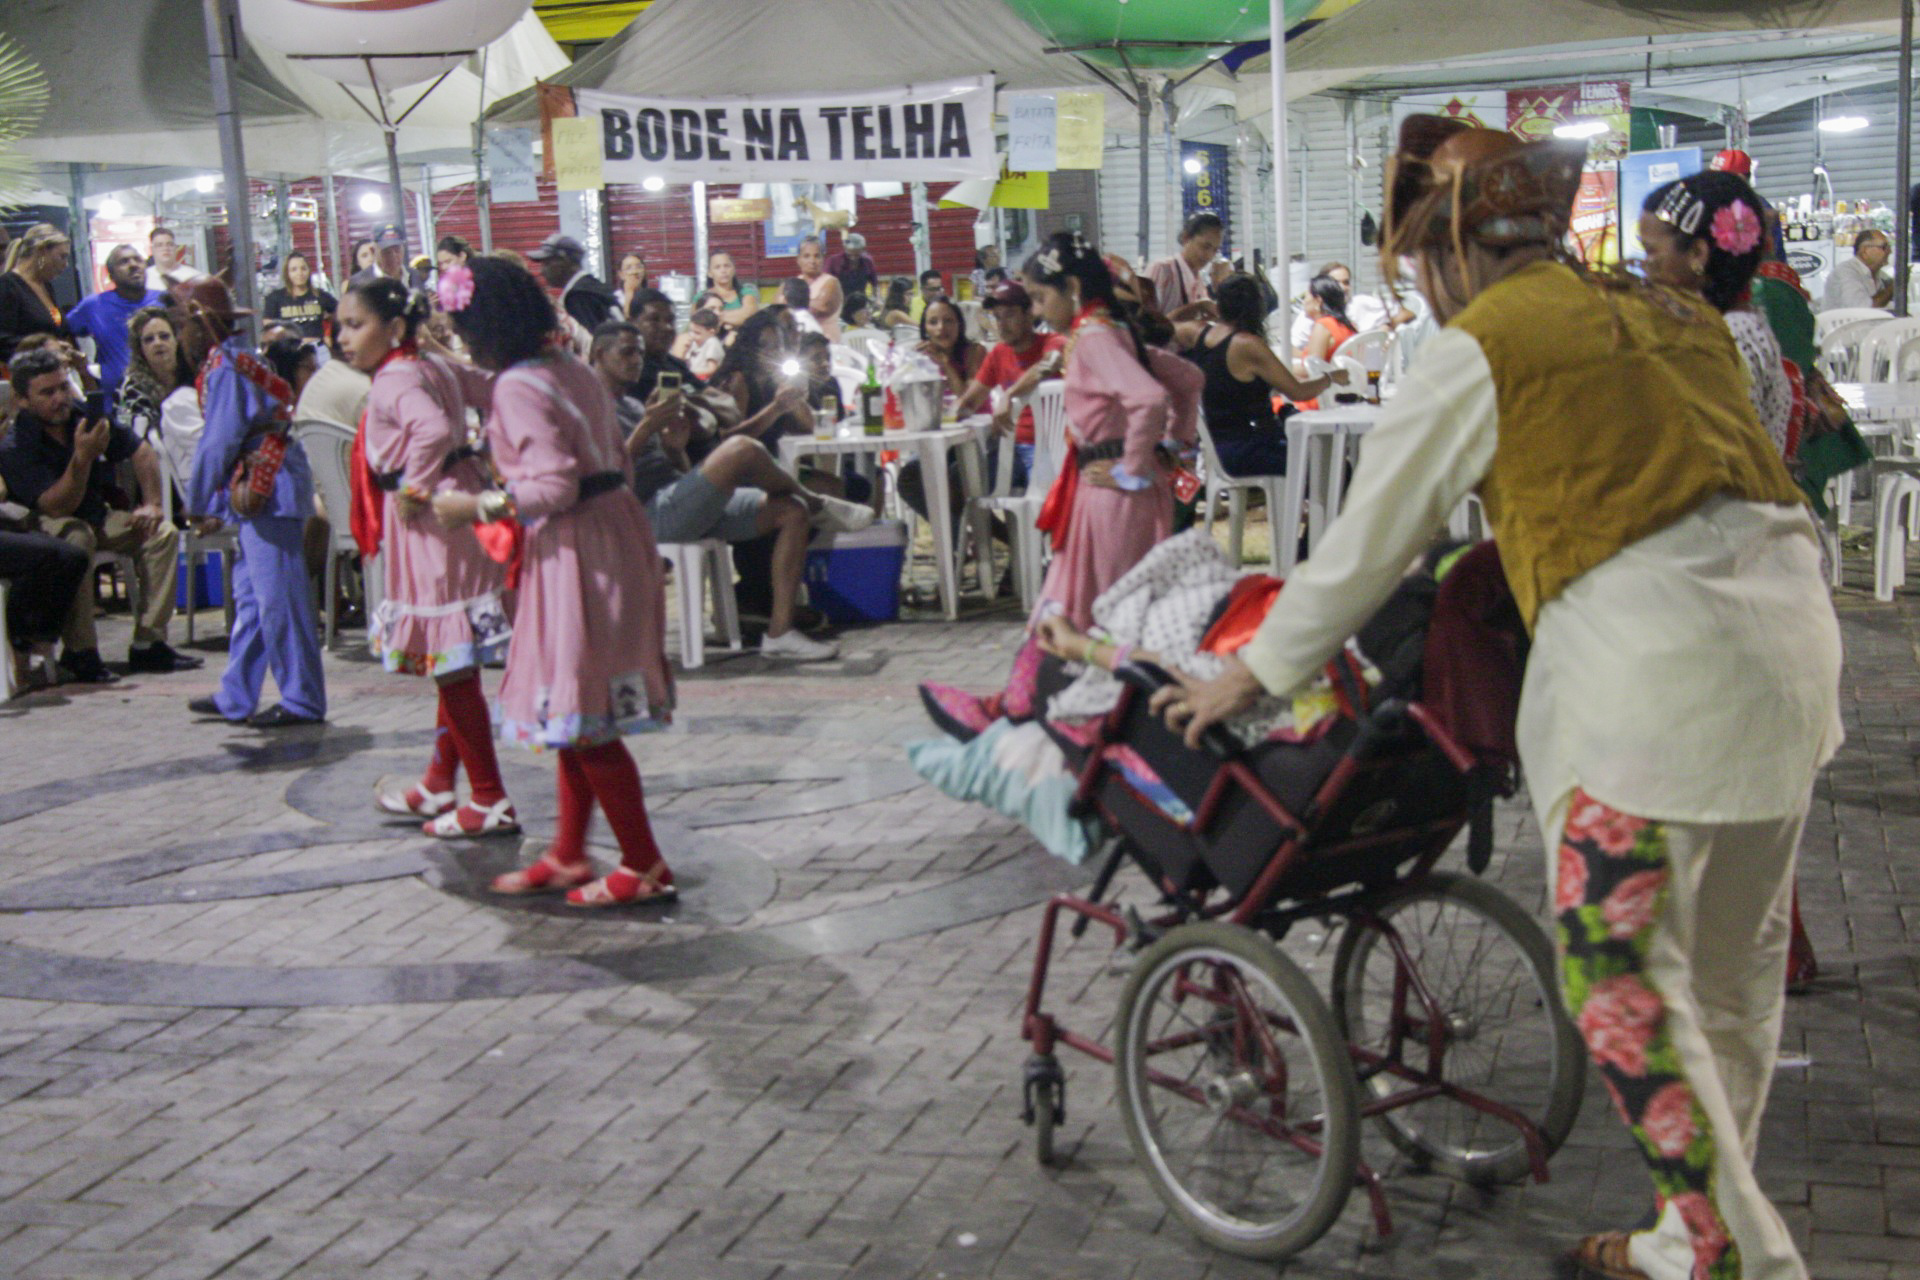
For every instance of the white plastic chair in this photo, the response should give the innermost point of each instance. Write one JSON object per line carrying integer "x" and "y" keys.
{"x": 867, "y": 344}
{"x": 329, "y": 447}
{"x": 1235, "y": 489}
{"x": 1840, "y": 349}
{"x": 1029, "y": 547}
{"x": 906, "y": 335}
{"x": 694, "y": 563}
{"x": 6, "y": 649}
{"x": 1827, "y": 321}
{"x": 195, "y": 546}
{"x": 1890, "y": 347}
{"x": 1372, "y": 348}
{"x": 1893, "y": 492}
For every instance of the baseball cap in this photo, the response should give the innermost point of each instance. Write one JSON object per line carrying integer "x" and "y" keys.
{"x": 388, "y": 237}
{"x": 854, "y": 240}
{"x": 557, "y": 243}
{"x": 1009, "y": 293}
{"x": 1733, "y": 161}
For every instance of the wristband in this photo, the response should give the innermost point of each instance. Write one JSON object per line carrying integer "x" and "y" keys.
{"x": 494, "y": 504}
{"x": 1122, "y": 654}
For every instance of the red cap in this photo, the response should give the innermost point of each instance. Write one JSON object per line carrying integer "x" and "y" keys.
{"x": 1008, "y": 293}
{"x": 1733, "y": 161}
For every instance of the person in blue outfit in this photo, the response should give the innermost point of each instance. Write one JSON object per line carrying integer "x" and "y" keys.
{"x": 104, "y": 316}
{"x": 248, "y": 409}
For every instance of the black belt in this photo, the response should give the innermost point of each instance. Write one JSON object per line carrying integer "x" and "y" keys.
{"x": 392, "y": 480}
{"x": 1105, "y": 451}
{"x": 601, "y": 482}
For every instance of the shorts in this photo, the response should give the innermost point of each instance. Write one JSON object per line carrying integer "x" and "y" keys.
{"x": 694, "y": 507}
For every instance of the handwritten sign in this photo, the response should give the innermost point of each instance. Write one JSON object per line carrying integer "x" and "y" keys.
{"x": 576, "y": 154}
{"x": 1020, "y": 189}
{"x": 1031, "y": 132}
{"x": 1081, "y": 141}
{"x": 511, "y": 167}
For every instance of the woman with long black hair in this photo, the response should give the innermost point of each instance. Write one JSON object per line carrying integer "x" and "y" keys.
{"x": 1326, "y": 303}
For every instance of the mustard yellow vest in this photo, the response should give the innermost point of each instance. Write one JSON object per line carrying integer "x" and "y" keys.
{"x": 1617, "y": 418}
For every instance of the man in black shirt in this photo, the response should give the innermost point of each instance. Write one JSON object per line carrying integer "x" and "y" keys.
{"x": 583, "y": 295}
{"x": 59, "y": 466}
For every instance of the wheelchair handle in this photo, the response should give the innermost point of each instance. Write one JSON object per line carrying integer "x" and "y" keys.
{"x": 1150, "y": 678}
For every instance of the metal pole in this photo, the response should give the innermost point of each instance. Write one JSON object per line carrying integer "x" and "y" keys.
{"x": 1146, "y": 170}
{"x": 482, "y": 195}
{"x": 1903, "y": 167}
{"x": 222, "y": 19}
{"x": 429, "y": 233}
{"x": 1176, "y": 205}
{"x": 699, "y": 234}
{"x": 923, "y": 243}
{"x": 1353, "y": 185}
{"x": 79, "y": 230}
{"x": 282, "y": 226}
{"x": 340, "y": 273}
{"x": 1283, "y": 263}
{"x": 397, "y": 196}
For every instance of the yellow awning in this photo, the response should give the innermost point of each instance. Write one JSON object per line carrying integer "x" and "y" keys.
{"x": 577, "y": 21}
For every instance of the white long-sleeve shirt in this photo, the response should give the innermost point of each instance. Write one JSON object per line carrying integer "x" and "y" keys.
{"x": 1693, "y": 677}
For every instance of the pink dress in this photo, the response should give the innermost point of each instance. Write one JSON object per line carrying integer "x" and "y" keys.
{"x": 589, "y": 656}
{"x": 443, "y": 611}
{"x": 1111, "y": 396}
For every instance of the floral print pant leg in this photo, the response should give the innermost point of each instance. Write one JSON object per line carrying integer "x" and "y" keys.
{"x": 1615, "y": 892}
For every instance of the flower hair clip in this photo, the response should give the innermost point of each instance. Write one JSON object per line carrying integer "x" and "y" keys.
{"x": 455, "y": 287}
{"x": 1736, "y": 228}
{"x": 1048, "y": 261}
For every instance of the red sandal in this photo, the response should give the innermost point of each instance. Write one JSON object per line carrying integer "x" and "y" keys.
{"x": 545, "y": 876}
{"x": 623, "y": 888}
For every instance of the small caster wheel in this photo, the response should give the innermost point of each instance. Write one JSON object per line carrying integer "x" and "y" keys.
{"x": 1044, "y": 1091}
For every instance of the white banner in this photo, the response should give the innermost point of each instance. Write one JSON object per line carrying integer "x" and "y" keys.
{"x": 921, "y": 133}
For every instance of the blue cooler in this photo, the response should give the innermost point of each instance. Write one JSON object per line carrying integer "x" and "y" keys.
{"x": 855, "y": 577}
{"x": 207, "y": 587}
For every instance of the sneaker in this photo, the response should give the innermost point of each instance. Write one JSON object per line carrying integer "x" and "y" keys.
{"x": 795, "y": 647}
{"x": 84, "y": 667}
{"x": 840, "y": 516}
{"x": 161, "y": 656}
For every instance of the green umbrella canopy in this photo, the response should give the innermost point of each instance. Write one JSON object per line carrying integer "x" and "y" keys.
{"x": 1219, "y": 23}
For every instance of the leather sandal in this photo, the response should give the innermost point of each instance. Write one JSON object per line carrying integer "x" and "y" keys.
{"x": 416, "y": 801}
{"x": 1608, "y": 1256}
{"x": 623, "y": 888}
{"x": 544, "y": 876}
{"x": 472, "y": 820}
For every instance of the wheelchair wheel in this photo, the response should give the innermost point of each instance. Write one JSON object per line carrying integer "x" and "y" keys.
{"x": 1238, "y": 1093}
{"x": 1490, "y": 969}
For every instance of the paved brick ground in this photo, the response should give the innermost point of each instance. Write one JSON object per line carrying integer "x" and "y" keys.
{"x": 846, "y": 1114}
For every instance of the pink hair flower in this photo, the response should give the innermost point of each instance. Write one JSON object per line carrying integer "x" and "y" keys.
{"x": 455, "y": 288}
{"x": 1736, "y": 228}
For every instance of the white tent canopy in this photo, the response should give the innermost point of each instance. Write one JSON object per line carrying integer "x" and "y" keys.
{"x": 699, "y": 48}
{"x": 131, "y": 87}
{"x": 1395, "y": 38}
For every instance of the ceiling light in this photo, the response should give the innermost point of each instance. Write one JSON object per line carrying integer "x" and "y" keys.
{"x": 653, "y": 182}
{"x": 1194, "y": 164}
{"x": 205, "y": 182}
{"x": 1844, "y": 124}
{"x": 372, "y": 202}
{"x": 1581, "y": 129}
{"x": 111, "y": 208}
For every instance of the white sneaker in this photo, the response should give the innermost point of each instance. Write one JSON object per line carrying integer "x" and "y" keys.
{"x": 841, "y": 516}
{"x": 796, "y": 647}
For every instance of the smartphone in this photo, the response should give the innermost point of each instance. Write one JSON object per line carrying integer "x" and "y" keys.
{"x": 669, "y": 381}
{"x": 93, "y": 406}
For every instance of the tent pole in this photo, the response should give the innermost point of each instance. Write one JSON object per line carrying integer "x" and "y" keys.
{"x": 397, "y": 195}
{"x": 922, "y": 243}
{"x": 482, "y": 196}
{"x": 340, "y": 275}
{"x": 699, "y": 235}
{"x": 282, "y": 226}
{"x": 222, "y": 19}
{"x": 428, "y": 232}
{"x": 1277, "y": 61}
{"x": 1903, "y": 167}
{"x": 79, "y": 231}
{"x": 1176, "y": 181}
{"x": 1145, "y": 97}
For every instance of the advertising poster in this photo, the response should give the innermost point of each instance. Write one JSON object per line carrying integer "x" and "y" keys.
{"x": 1485, "y": 108}
{"x": 1207, "y": 191}
{"x": 1536, "y": 113}
{"x": 1640, "y": 173}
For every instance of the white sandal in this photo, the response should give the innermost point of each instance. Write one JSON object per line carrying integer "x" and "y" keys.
{"x": 416, "y": 801}
{"x": 471, "y": 820}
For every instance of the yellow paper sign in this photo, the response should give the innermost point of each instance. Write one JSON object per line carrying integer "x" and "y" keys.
{"x": 1082, "y": 122}
{"x": 1018, "y": 189}
{"x": 576, "y": 154}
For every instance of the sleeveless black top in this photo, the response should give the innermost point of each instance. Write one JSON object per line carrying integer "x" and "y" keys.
{"x": 1234, "y": 409}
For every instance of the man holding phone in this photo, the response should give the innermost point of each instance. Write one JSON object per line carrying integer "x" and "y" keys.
{"x": 58, "y": 462}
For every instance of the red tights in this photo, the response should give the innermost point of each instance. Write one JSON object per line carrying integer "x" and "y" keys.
{"x": 608, "y": 774}
{"x": 464, "y": 736}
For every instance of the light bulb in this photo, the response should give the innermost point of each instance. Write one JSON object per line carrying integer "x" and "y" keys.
{"x": 205, "y": 182}
{"x": 1581, "y": 129}
{"x": 372, "y": 202}
{"x": 1194, "y": 164}
{"x": 653, "y": 182}
{"x": 1843, "y": 124}
{"x": 111, "y": 208}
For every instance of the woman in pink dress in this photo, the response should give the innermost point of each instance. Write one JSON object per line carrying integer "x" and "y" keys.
{"x": 1113, "y": 500}
{"x": 588, "y": 662}
{"x": 442, "y": 615}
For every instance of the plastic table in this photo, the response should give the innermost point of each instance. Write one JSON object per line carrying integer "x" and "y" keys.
{"x": 1316, "y": 446}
